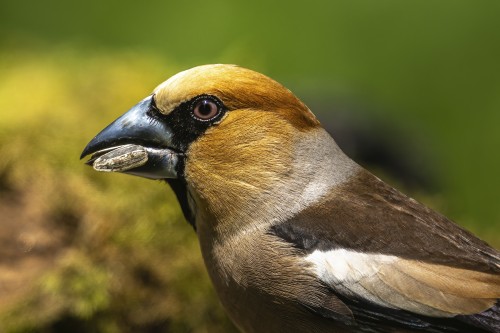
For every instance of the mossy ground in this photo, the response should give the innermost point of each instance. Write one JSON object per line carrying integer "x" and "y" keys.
{"x": 83, "y": 251}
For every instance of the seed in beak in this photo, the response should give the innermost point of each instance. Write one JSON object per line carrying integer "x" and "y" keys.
{"x": 121, "y": 159}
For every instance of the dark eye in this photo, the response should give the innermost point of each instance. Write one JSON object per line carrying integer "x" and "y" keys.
{"x": 205, "y": 109}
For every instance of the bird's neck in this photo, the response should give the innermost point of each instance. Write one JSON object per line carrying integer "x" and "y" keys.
{"x": 270, "y": 190}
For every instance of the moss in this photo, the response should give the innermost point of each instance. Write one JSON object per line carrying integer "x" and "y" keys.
{"x": 103, "y": 253}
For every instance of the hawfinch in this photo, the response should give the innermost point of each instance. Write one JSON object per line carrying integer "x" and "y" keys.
{"x": 296, "y": 236}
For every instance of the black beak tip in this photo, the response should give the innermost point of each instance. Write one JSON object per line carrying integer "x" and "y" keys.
{"x": 89, "y": 149}
{"x": 84, "y": 153}
{"x": 94, "y": 145}
{"x": 99, "y": 142}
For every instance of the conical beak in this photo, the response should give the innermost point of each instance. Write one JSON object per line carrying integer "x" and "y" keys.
{"x": 137, "y": 144}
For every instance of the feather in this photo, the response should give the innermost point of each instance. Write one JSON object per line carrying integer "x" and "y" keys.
{"x": 368, "y": 242}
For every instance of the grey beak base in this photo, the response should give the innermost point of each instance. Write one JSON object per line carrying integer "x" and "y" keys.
{"x": 161, "y": 164}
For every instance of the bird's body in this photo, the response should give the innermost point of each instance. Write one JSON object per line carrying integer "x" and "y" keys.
{"x": 295, "y": 235}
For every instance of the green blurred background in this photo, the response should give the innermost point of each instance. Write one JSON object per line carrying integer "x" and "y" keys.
{"x": 410, "y": 89}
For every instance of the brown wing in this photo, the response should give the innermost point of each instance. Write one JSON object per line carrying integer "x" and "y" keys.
{"x": 367, "y": 215}
{"x": 399, "y": 254}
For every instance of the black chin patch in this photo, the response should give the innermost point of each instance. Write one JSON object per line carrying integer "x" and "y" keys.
{"x": 180, "y": 189}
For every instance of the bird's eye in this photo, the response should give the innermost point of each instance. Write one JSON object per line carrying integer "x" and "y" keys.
{"x": 205, "y": 109}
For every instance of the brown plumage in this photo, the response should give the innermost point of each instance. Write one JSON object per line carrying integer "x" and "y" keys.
{"x": 296, "y": 236}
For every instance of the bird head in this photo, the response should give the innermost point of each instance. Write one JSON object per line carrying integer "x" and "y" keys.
{"x": 229, "y": 140}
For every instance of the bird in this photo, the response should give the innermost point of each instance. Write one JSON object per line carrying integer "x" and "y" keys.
{"x": 295, "y": 235}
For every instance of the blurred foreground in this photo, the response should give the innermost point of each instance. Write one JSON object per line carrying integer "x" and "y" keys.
{"x": 82, "y": 251}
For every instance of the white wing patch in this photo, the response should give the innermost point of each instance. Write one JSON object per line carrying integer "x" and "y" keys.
{"x": 340, "y": 266}
{"x": 350, "y": 272}
{"x": 423, "y": 288}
